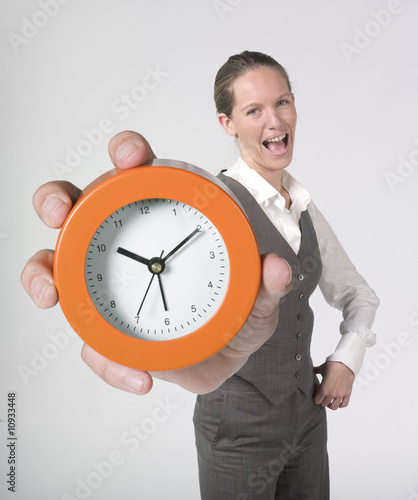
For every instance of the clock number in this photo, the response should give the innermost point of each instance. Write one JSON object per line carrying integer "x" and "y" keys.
{"x": 210, "y": 285}
{"x": 167, "y": 321}
{"x": 112, "y": 304}
{"x": 175, "y": 213}
{"x": 193, "y": 308}
{"x": 101, "y": 248}
{"x": 144, "y": 210}
{"x": 212, "y": 255}
{"x": 117, "y": 223}
{"x": 99, "y": 277}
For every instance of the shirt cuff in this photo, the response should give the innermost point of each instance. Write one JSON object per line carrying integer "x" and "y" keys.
{"x": 350, "y": 350}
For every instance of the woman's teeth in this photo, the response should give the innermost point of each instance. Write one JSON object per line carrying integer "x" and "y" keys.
{"x": 276, "y": 144}
{"x": 276, "y": 139}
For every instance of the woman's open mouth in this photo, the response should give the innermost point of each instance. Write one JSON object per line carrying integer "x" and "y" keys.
{"x": 277, "y": 145}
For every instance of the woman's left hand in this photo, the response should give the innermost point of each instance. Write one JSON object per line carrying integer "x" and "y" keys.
{"x": 334, "y": 391}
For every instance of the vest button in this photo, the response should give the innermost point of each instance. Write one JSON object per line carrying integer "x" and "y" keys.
{"x": 300, "y": 317}
{"x": 298, "y": 357}
{"x": 301, "y": 277}
{"x": 299, "y": 336}
{"x": 301, "y": 297}
{"x": 297, "y": 375}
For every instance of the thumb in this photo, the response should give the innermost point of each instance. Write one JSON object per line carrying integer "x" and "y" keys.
{"x": 276, "y": 282}
{"x": 129, "y": 149}
{"x": 320, "y": 369}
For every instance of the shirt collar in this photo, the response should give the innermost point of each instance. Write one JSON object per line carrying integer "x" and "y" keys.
{"x": 263, "y": 190}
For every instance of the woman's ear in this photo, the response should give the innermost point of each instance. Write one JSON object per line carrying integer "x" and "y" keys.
{"x": 226, "y": 123}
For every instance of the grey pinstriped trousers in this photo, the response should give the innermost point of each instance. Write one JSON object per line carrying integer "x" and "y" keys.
{"x": 250, "y": 449}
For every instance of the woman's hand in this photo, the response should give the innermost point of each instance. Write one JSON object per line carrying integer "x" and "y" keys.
{"x": 54, "y": 200}
{"x": 337, "y": 383}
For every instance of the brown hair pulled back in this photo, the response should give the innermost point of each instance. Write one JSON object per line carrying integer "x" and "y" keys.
{"x": 235, "y": 67}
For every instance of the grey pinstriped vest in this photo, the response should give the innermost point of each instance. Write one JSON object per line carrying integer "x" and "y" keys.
{"x": 283, "y": 364}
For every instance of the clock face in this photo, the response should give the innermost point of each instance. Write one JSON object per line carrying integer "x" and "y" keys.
{"x": 157, "y": 269}
{"x": 169, "y": 277}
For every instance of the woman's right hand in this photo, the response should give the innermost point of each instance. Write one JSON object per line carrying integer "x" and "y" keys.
{"x": 53, "y": 202}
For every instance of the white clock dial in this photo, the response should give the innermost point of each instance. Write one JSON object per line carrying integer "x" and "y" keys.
{"x": 157, "y": 269}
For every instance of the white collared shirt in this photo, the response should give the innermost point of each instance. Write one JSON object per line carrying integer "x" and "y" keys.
{"x": 341, "y": 284}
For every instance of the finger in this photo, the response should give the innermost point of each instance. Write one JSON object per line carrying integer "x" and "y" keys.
{"x": 121, "y": 377}
{"x": 276, "y": 281}
{"x": 320, "y": 396}
{"x": 334, "y": 404}
{"x": 37, "y": 279}
{"x": 54, "y": 200}
{"x": 345, "y": 401}
{"x": 129, "y": 149}
{"x": 326, "y": 401}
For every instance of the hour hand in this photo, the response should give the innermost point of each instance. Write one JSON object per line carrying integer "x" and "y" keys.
{"x": 133, "y": 256}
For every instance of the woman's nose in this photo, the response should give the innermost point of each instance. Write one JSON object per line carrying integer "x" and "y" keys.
{"x": 273, "y": 118}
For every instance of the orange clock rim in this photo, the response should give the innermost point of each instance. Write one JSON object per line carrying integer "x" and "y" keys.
{"x": 150, "y": 182}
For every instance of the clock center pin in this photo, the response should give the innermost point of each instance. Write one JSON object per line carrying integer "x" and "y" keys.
{"x": 156, "y": 265}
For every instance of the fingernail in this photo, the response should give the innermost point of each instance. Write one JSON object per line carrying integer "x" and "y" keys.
{"x": 51, "y": 205}
{"x": 40, "y": 285}
{"x": 134, "y": 382}
{"x": 291, "y": 273}
{"x": 125, "y": 150}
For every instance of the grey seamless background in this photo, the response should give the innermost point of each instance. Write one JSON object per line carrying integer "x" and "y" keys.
{"x": 74, "y": 74}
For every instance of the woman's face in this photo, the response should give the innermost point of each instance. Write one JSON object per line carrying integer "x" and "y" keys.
{"x": 263, "y": 120}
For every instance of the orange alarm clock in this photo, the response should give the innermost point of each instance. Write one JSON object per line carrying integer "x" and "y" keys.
{"x": 157, "y": 267}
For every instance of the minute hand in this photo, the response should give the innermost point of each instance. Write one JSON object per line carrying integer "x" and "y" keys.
{"x": 181, "y": 244}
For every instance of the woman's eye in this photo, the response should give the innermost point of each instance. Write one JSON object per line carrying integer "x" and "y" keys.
{"x": 283, "y": 102}
{"x": 252, "y": 111}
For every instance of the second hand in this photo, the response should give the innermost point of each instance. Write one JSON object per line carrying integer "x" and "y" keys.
{"x": 148, "y": 288}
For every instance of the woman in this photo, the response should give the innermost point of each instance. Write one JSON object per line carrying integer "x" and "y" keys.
{"x": 260, "y": 416}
